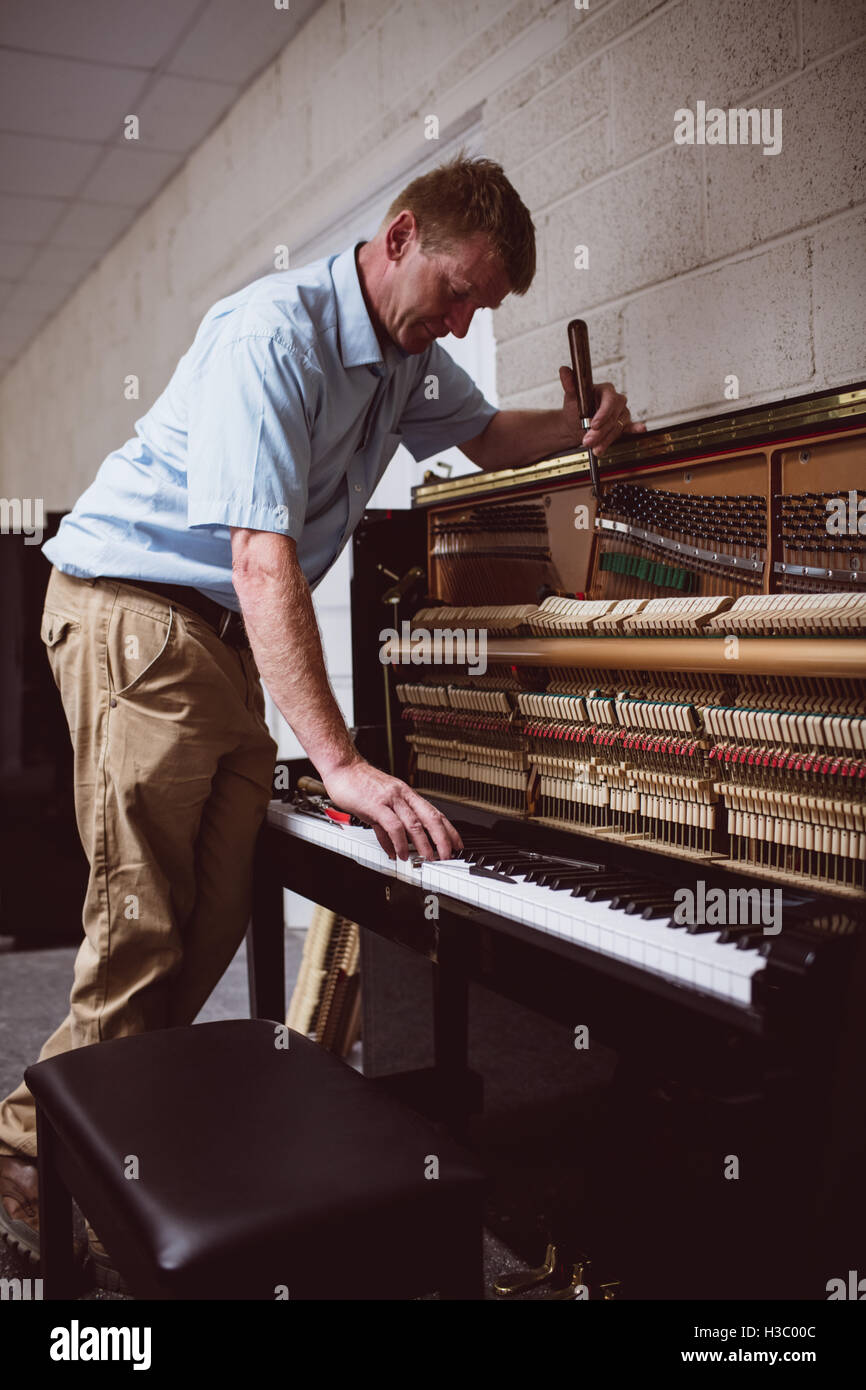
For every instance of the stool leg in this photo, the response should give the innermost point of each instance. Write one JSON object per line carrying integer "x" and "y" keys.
{"x": 56, "y": 1251}
{"x": 266, "y": 971}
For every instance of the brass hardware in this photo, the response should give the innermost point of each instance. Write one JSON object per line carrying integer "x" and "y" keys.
{"x": 577, "y": 1281}
{"x": 611, "y": 1290}
{"x": 565, "y": 466}
{"x": 431, "y": 476}
{"x": 826, "y": 408}
{"x": 530, "y": 1279}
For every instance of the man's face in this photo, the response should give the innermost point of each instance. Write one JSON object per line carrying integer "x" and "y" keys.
{"x": 432, "y": 295}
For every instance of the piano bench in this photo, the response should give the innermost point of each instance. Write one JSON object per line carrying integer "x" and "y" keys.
{"x": 237, "y": 1160}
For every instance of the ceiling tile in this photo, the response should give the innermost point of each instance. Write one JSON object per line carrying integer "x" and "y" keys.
{"x": 178, "y": 112}
{"x": 34, "y": 164}
{"x": 130, "y": 176}
{"x": 70, "y": 72}
{"x": 56, "y": 96}
{"x": 28, "y": 219}
{"x": 36, "y": 299}
{"x": 14, "y": 259}
{"x": 16, "y": 330}
{"x": 106, "y": 31}
{"x": 92, "y": 225}
{"x": 231, "y": 45}
{"x": 57, "y": 265}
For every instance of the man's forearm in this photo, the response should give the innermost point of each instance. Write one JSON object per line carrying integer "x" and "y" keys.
{"x": 514, "y": 437}
{"x": 281, "y": 622}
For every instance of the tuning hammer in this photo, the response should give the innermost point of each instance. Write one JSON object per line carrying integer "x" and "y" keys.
{"x": 578, "y": 342}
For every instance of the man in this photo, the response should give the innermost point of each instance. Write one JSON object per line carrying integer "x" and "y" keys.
{"x": 185, "y": 571}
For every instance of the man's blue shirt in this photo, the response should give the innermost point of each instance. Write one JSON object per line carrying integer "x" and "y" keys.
{"x": 282, "y": 416}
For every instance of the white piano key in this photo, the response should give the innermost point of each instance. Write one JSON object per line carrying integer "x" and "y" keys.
{"x": 697, "y": 961}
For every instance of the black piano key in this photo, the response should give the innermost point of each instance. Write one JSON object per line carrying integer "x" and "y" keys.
{"x": 610, "y": 886}
{"x": 604, "y": 892}
{"x": 564, "y": 877}
{"x": 478, "y": 872}
{"x": 635, "y": 906}
{"x": 503, "y": 854}
{"x": 511, "y": 863}
{"x": 635, "y": 892}
{"x": 744, "y": 932}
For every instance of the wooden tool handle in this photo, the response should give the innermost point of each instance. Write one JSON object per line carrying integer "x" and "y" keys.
{"x": 578, "y": 341}
{"x": 311, "y": 786}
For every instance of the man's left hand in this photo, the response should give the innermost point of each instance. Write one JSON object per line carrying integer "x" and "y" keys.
{"x": 612, "y": 417}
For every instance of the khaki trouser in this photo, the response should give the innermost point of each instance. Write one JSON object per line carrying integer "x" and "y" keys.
{"x": 173, "y": 773}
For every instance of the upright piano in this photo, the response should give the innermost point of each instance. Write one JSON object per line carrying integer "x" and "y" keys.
{"x": 643, "y": 704}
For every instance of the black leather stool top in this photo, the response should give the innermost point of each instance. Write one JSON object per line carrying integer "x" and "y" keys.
{"x": 258, "y": 1165}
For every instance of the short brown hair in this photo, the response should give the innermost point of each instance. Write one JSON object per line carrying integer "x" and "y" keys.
{"x": 467, "y": 195}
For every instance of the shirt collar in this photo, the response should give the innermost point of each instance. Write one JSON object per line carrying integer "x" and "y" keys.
{"x": 359, "y": 346}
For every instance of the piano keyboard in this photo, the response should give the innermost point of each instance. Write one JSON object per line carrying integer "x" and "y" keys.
{"x": 621, "y": 916}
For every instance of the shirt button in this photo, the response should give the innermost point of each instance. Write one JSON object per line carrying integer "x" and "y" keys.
{"x": 113, "y": 703}
{"x": 357, "y": 487}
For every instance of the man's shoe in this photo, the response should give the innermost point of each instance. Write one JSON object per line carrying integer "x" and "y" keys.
{"x": 19, "y": 1205}
{"x": 19, "y": 1222}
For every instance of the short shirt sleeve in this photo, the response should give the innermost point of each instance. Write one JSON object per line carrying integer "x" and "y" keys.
{"x": 445, "y": 407}
{"x": 250, "y": 409}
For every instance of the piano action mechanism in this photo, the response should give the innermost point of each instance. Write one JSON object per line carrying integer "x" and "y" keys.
{"x": 677, "y": 664}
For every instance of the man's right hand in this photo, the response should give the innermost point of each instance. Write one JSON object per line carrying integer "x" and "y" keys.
{"x": 393, "y": 810}
{"x": 281, "y": 624}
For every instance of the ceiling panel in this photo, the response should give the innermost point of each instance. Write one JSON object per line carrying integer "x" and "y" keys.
{"x": 55, "y": 265}
{"x": 104, "y": 31}
{"x": 16, "y": 330}
{"x": 14, "y": 257}
{"x": 27, "y": 219}
{"x": 178, "y": 112}
{"x": 130, "y": 176}
{"x": 59, "y": 96}
{"x": 40, "y": 300}
{"x": 70, "y": 72}
{"x": 34, "y": 164}
{"x": 92, "y": 225}
{"x": 232, "y": 43}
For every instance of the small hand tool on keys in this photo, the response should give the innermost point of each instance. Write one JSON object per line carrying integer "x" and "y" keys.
{"x": 311, "y": 795}
{"x": 578, "y": 341}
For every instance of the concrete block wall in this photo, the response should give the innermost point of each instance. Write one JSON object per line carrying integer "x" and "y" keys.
{"x": 703, "y": 260}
